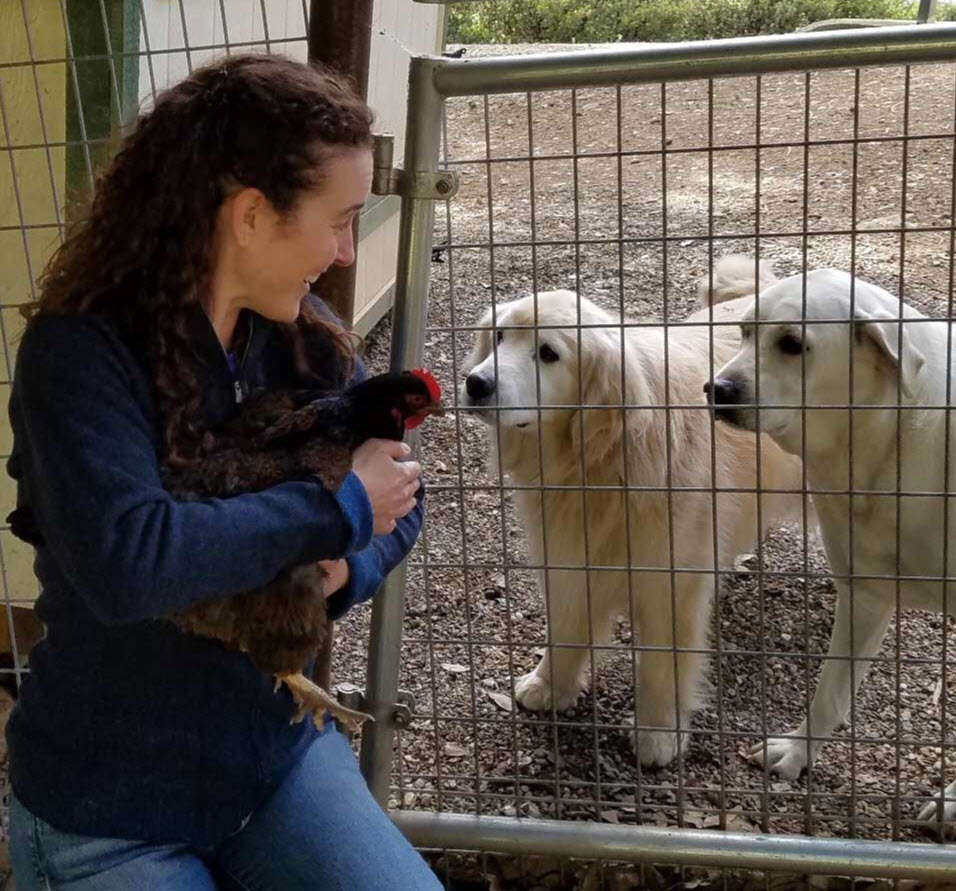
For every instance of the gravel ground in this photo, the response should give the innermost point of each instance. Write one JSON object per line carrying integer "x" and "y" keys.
{"x": 474, "y": 620}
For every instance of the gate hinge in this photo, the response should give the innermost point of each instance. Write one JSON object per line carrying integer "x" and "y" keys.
{"x": 390, "y": 180}
{"x": 354, "y": 698}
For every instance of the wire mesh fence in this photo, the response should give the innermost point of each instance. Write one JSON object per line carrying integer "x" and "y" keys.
{"x": 583, "y": 486}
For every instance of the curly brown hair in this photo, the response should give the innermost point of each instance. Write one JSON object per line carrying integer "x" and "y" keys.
{"x": 143, "y": 249}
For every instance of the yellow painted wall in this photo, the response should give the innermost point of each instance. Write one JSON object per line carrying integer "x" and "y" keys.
{"x": 32, "y": 180}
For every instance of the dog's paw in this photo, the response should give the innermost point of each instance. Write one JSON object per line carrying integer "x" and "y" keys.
{"x": 929, "y": 816}
{"x": 785, "y": 756}
{"x": 655, "y": 748}
{"x": 535, "y": 693}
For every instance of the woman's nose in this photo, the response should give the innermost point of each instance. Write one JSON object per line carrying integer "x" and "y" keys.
{"x": 345, "y": 252}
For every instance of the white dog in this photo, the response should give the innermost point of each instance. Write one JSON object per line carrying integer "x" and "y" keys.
{"x": 532, "y": 379}
{"x": 803, "y": 360}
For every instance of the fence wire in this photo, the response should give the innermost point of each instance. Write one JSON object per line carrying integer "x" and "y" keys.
{"x": 629, "y": 195}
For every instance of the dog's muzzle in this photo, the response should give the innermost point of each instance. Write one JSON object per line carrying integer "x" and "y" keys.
{"x": 479, "y": 393}
{"x": 724, "y": 395}
{"x": 479, "y": 388}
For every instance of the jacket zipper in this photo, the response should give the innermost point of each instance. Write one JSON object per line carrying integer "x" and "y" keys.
{"x": 237, "y": 386}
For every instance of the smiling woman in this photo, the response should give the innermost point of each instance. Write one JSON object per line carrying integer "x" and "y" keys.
{"x": 142, "y": 754}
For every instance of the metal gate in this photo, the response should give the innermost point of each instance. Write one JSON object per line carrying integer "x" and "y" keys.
{"x": 662, "y": 159}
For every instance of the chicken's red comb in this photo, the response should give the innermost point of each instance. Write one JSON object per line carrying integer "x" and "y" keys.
{"x": 434, "y": 391}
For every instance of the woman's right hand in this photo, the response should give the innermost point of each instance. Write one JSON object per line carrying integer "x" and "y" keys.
{"x": 390, "y": 482}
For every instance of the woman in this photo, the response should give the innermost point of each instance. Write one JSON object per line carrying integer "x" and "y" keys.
{"x": 141, "y": 756}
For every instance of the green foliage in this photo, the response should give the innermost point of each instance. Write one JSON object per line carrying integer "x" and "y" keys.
{"x": 601, "y": 21}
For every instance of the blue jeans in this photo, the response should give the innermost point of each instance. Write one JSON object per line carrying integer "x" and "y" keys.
{"x": 321, "y": 831}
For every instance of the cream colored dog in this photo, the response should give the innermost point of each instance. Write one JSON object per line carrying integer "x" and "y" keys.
{"x": 804, "y": 360}
{"x": 552, "y": 393}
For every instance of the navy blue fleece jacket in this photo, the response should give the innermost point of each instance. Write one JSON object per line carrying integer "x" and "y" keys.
{"x": 127, "y": 727}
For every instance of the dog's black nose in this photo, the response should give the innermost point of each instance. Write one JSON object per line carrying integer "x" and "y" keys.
{"x": 721, "y": 391}
{"x": 479, "y": 387}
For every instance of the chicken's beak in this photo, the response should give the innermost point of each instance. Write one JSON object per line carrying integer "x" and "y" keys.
{"x": 431, "y": 408}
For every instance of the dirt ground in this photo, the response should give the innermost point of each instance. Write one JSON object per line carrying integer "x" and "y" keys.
{"x": 637, "y": 232}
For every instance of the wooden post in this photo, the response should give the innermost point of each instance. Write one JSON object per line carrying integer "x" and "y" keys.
{"x": 103, "y": 95}
{"x": 340, "y": 34}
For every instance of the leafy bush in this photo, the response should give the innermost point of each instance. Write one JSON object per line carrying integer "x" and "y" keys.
{"x": 600, "y": 21}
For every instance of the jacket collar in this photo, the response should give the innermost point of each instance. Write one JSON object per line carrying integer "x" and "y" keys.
{"x": 209, "y": 350}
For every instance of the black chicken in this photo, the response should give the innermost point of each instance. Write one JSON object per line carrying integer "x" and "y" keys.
{"x": 281, "y": 436}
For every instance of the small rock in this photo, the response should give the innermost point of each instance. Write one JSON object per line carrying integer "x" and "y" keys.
{"x": 503, "y": 701}
{"x": 745, "y": 563}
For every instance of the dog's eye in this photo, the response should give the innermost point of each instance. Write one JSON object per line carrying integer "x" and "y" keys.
{"x": 547, "y": 354}
{"x": 500, "y": 336}
{"x": 790, "y": 344}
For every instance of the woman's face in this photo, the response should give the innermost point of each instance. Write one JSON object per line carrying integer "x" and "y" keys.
{"x": 281, "y": 257}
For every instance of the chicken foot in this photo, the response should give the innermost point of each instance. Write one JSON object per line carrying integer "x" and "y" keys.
{"x": 312, "y": 700}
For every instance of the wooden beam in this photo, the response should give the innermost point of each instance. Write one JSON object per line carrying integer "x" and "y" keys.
{"x": 340, "y": 36}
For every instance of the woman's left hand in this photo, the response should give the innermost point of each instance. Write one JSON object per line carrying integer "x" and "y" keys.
{"x": 338, "y": 575}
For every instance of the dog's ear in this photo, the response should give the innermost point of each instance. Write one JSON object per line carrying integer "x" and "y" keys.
{"x": 893, "y": 342}
{"x": 482, "y": 345}
{"x": 608, "y": 377}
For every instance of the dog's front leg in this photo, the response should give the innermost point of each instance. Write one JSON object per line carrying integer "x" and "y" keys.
{"x": 669, "y": 679}
{"x": 789, "y": 755}
{"x": 558, "y": 679}
{"x": 930, "y": 815}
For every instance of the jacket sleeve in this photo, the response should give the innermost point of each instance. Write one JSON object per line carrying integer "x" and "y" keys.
{"x": 369, "y": 567}
{"x": 90, "y": 473}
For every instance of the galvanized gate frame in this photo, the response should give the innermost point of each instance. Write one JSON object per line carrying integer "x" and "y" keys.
{"x": 431, "y": 81}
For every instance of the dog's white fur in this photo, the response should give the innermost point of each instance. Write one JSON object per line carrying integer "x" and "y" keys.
{"x": 892, "y": 363}
{"x": 571, "y": 529}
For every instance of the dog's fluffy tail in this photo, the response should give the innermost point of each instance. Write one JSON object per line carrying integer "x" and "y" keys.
{"x": 735, "y": 275}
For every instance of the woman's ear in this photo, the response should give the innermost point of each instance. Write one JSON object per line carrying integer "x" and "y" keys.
{"x": 248, "y": 213}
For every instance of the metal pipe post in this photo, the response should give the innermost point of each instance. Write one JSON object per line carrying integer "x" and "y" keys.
{"x": 422, "y": 140}
{"x": 926, "y": 12}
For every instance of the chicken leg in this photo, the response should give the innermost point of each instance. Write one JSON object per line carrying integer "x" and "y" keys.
{"x": 312, "y": 700}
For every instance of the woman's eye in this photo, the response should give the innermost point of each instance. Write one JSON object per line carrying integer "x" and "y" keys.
{"x": 790, "y": 345}
{"x": 547, "y": 354}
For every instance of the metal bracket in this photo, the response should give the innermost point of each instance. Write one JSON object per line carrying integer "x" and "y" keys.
{"x": 404, "y": 709}
{"x": 350, "y": 696}
{"x": 354, "y": 698}
{"x": 389, "y": 180}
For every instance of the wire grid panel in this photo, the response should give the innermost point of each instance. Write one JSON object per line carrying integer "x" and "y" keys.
{"x": 71, "y": 75}
{"x": 628, "y": 196}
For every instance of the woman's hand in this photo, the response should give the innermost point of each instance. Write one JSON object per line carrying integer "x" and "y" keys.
{"x": 390, "y": 483}
{"x": 337, "y": 572}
